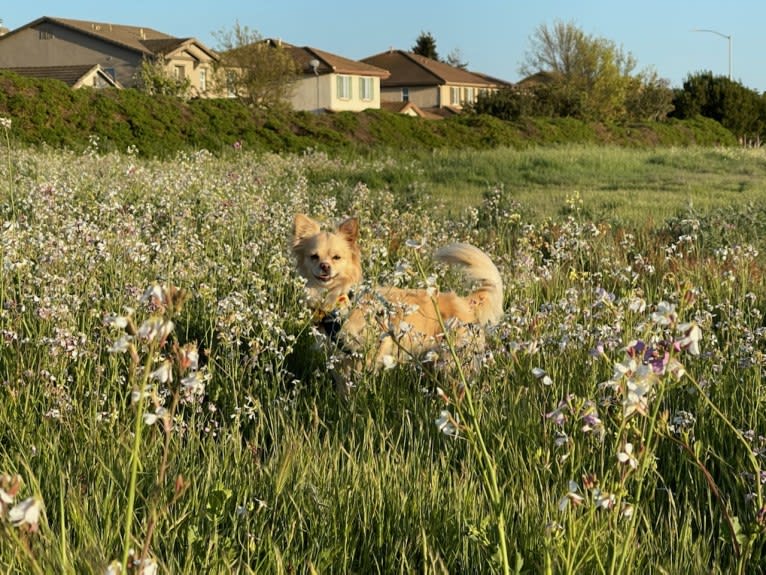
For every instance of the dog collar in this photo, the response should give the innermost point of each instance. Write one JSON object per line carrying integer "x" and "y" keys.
{"x": 331, "y": 321}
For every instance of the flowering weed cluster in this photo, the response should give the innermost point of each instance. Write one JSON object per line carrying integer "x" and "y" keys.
{"x": 23, "y": 514}
{"x": 613, "y": 421}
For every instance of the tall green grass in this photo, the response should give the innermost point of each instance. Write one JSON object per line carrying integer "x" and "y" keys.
{"x": 268, "y": 470}
{"x": 616, "y": 183}
{"x": 632, "y": 187}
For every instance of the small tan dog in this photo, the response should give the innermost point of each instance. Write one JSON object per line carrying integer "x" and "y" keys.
{"x": 378, "y": 328}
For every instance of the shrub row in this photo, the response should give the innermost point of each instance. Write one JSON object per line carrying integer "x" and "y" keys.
{"x": 49, "y": 112}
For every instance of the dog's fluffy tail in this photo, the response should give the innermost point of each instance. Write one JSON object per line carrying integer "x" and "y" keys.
{"x": 488, "y": 296}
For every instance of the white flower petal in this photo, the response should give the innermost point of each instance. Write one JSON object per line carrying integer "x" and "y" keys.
{"x": 26, "y": 512}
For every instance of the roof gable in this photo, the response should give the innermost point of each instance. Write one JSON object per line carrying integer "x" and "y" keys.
{"x": 146, "y": 41}
{"x": 328, "y": 63}
{"x": 73, "y": 76}
{"x": 338, "y": 64}
{"x": 407, "y": 68}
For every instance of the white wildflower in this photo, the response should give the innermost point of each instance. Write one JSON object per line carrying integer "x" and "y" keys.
{"x": 626, "y": 456}
{"x": 194, "y": 383}
{"x": 164, "y": 373}
{"x": 122, "y": 344}
{"x": 692, "y": 336}
{"x": 389, "y": 361}
{"x": 447, "y": 424}
{"x": 26, "y": 513}
{"x": 572, "y": 497}
{"x": 155, "y": 328}
{"x": 152, "y": 418}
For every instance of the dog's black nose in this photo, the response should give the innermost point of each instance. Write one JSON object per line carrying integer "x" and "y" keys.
{"x": 324, "y": 266}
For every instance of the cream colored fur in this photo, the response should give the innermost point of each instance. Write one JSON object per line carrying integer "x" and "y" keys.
{"x": 390, "y": 323}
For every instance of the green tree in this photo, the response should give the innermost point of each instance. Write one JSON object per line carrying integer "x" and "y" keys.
{"x": 590, "y": 78}
{"x": 260, "y": 72}
{"x": 592, "y": 74}
{"x": 506, "y": 104}
{"x": 739, "y": 109}
{"x": 425, "y": 45}
{"x": 649, "y": 98}
{"x": 156, "y": 79}
{"x": 555, "y": 50}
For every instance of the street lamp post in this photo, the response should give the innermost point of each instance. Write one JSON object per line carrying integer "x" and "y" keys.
{"x": 727, "y": 36}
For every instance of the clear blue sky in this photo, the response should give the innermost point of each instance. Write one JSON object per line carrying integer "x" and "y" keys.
{"x": 493, "y": 36}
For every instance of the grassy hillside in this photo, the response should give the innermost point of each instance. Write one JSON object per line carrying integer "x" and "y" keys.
{"x": 48, "y": 112}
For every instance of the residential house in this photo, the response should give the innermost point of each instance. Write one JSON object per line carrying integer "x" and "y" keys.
{"x": 119, "y": 51}
{"x": 538, "y": 79}
{"x": 73, "y": 76}
{"x": 331, "y": 82}
{"x": 404, "y": 108}
{"x": 428, "y": 83}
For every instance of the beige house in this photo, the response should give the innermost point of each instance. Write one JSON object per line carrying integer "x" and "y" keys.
{"x": 429, "y": 83}
{"x": 331, "y": 82}
{"x": 117, "y": 49}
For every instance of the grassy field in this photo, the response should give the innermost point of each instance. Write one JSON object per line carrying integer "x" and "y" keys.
{"x": 615, "y": 426}
{"x": 620, "y": 185}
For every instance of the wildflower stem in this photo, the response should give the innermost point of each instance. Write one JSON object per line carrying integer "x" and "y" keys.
{"x": 10, "y": 172}
{"x": 62, "y": 534}
{"x": 713, "y": 488}
{"x": 738, "y": 434}
{"x": 28, "y": 551}
{"x": 618, "y": 439}
{"x": 646, "y": 460}
{"x": 139, "y": 424}
{"x": 488, "y": 465}
{"x": 489, "y": 472}
{"x": 168, "y": 423}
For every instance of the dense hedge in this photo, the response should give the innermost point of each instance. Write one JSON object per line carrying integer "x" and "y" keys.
{"x": 49, "y": 112}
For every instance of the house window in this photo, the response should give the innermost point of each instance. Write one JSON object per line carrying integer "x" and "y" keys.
{"x": 469, "y": 95}
{"x": 344, "y": 87}
{"x": 180, "y": 72}
{"x": 366, "y": 89}
{"x": 454, "y": 96}
{"x": 405, "y": 94}
{"x": 100, "y": 82}
{"x": 231, "y": 84}
{"x": 203, "y": 80}
{"x": 44, "y": 35}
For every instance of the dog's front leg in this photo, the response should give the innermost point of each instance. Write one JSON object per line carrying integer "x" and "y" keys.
{"x": 386, "y": 348}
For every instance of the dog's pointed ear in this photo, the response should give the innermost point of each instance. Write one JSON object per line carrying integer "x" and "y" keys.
{"x": 304, "y": 227}
{"x": 349, "y": 229}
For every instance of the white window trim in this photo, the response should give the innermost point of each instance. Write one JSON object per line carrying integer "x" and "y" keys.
{"x": 454, "y": 95}
{"x": 366, "y": 94}
{"x": 344, "y": 82}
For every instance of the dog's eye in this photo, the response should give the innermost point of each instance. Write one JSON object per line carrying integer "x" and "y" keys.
{"x": 315, "y": 257}
{"x": 336, "y": 258}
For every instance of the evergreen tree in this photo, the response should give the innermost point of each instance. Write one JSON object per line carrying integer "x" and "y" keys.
{"x": 739, "y": 109}
{"x": 425, "y": 45}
